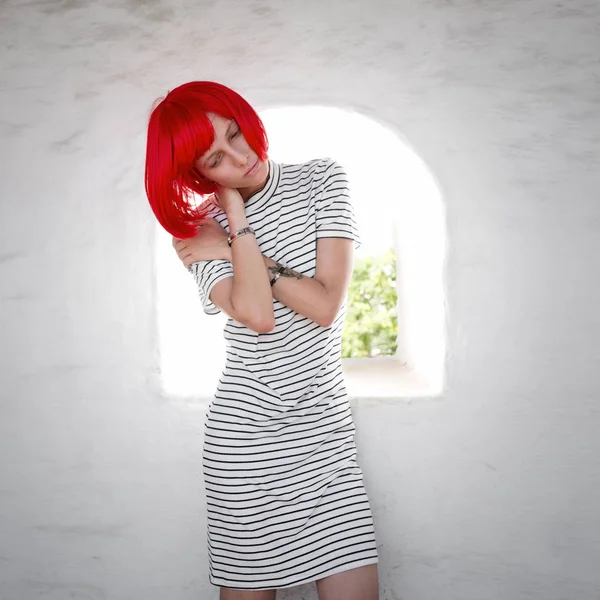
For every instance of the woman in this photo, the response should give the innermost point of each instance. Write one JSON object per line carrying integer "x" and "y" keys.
{"x": 272, "y": 247}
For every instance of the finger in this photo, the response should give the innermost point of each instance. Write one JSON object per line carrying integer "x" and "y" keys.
{"x": 184, "y": 249}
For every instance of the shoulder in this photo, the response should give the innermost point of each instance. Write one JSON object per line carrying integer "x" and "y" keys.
{"x": 209, "y": 204}
{"x": 211, "y": 209}
{"x": 318, "y": 170}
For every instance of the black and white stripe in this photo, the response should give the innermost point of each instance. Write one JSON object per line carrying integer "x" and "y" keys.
{"x": 286, "y": 501}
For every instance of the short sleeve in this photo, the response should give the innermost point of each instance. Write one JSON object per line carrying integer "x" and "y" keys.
{"x": 334, "y": 212}
{"x": 207, "y": 274}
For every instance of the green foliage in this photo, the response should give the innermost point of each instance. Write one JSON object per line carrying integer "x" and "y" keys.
{"x": 371, "y": 322}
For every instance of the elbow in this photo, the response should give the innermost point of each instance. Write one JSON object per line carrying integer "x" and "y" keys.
{"x": 259, "y": 320}
{"x": 261, "y": 326}
{"x": 326, "y": 319}
{"x": 325, "y": 322}
{"x": 259, "y": 323}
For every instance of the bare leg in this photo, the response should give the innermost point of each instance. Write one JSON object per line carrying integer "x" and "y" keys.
{"x": 355, "y": 584}
{"x": 229, "y": 594}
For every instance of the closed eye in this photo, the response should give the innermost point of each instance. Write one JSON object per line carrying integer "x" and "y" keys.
{"x": 217, "y": 160}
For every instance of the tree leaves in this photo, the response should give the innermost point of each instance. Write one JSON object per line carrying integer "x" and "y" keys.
{"x": 371, "y": 322}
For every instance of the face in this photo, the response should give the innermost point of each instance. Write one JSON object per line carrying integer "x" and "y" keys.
{"x": 230, "y": 161}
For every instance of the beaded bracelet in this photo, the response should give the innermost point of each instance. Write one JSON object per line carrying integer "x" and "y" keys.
{"x": 277, "y": 274}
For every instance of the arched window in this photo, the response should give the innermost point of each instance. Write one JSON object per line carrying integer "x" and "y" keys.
{"x": 397, "y": 205}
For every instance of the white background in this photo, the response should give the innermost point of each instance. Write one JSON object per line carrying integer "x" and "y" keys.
{"x": 488, "y": 492}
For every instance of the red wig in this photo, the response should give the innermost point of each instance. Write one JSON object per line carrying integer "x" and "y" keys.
{"x": 179, "y": 133}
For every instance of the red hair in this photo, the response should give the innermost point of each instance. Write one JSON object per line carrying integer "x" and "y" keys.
{"x": 179, "y": 133}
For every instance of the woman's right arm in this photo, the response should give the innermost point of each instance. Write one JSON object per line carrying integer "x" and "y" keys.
{"x": 247, "y": 296}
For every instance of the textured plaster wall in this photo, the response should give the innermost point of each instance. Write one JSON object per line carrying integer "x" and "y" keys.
{"x": 489, "y": 492}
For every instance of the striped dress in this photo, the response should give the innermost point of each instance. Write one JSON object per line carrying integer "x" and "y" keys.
{"x": 286, "y": 502}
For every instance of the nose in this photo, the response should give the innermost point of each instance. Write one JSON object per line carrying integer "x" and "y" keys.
{"x": 240, "y": 158}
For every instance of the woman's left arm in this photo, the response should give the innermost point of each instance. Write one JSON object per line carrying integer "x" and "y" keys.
{"x": 320, "y": 297}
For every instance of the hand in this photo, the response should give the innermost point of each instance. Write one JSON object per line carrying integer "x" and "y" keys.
{"x": 228, "y": 199}
{"x": 209, "y": 243}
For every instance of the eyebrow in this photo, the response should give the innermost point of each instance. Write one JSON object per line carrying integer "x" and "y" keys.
{"x": 226, "y": 134}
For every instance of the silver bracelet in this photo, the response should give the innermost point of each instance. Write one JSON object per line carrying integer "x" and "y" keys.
{"x": 239, "y": 233}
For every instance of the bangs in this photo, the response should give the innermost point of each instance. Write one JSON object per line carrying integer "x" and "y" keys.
{"x": 191, "y": 133}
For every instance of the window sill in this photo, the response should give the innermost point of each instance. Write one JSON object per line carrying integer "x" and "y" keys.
{"x": 385, "y": 377}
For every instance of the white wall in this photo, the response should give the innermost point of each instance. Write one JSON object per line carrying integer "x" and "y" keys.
{"x": 491, "y": 491}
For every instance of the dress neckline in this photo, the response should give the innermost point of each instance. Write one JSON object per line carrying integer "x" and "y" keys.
{"x": 269, "y": 187}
